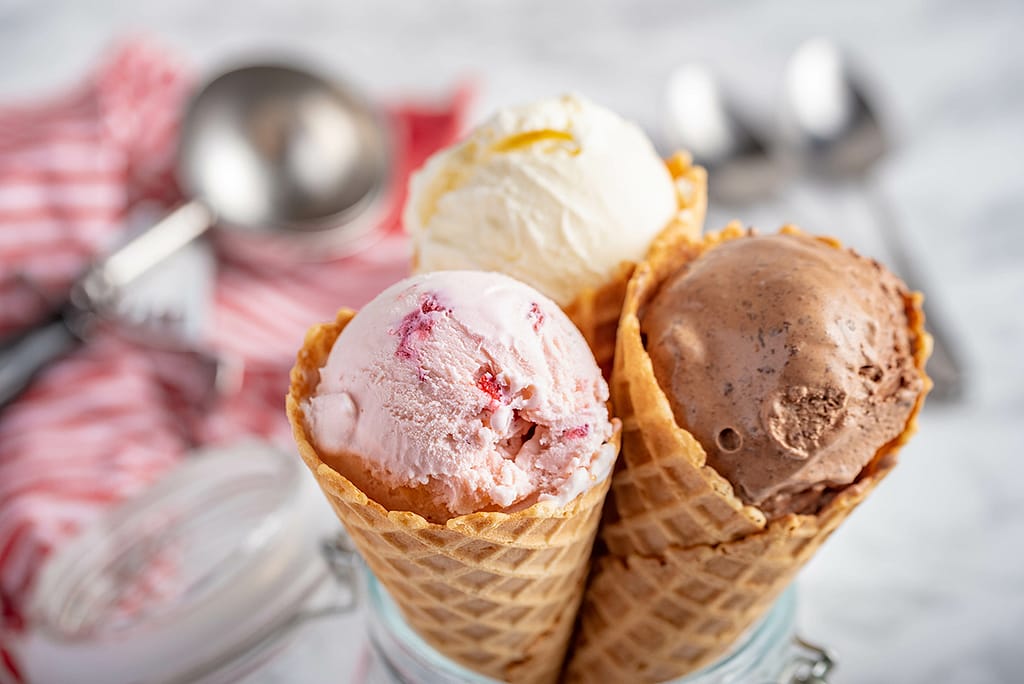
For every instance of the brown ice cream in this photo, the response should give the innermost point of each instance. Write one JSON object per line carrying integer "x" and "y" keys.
{"x": 789, "y": 360}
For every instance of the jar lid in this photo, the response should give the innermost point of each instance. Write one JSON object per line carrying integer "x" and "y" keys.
{"x": 169, "y": 586}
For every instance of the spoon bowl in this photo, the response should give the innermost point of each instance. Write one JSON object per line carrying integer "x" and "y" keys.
{"x": 272, "y": 148}
{"x": 292, "y": 160}
{"x": 704, "y": 121}
{"x": 828, "y": 115}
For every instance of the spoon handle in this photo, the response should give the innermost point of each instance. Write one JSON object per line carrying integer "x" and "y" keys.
{"x": 944, "y": 366}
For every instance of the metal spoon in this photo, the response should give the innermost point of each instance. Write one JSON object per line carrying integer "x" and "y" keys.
{"x": 292, "y": 160}
{"x": 702, "y": 119}
{"x": 831, "y": 122}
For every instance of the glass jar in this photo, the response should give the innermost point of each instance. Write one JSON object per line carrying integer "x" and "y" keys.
{"x": 233, "y": 568}
{"x": 215, "y": 574}
{"x": 770, "y": 653}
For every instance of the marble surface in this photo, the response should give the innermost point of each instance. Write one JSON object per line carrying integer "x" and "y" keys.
{"x": 925, "y": 582}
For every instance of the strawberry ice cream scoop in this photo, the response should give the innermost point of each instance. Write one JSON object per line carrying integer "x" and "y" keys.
{"x": 462, "y": 391}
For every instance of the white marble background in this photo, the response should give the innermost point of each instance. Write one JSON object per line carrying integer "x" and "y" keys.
{"x": 926, "y": 582}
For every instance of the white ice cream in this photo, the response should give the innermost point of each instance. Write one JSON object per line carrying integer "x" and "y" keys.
{"x": 556, "y": 193}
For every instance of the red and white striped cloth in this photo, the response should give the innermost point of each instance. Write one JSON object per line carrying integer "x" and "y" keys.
{"x": 104, "y": 423}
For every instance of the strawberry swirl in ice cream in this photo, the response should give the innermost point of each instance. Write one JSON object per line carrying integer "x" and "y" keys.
{"x": 462, "y": 391}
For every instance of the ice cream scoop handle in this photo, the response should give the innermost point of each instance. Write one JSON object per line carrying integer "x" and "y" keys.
{"x": 24, "y": 355}
{"x": 152, "y": 246}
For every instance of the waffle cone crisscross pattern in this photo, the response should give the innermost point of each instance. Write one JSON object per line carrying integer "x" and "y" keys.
{"x": 688, "y": 567}
{"x": 497, "y": 592}
{"x": 596, "y": 311}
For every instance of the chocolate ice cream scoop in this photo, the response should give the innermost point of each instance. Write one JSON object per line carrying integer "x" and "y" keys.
{"x": 788, "y": 359}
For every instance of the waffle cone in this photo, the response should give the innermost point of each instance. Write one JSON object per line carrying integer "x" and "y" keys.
{"x": 496, "y": 592}
{"x": 595, "y": 311}
{"x": 688, "y": 568}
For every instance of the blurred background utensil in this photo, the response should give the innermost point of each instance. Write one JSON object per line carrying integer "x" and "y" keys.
{"x": 167, "y": 309}
{"x": 831, "y": 123}
{"x": 284, "y": 155}
{"x": 830, "y": 129}
{"x": 703, "y": 119}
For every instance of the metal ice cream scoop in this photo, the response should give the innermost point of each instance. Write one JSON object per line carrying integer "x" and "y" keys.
{"x": 296, "y": 162}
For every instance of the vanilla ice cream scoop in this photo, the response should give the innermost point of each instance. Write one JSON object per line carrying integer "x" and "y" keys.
{"x": 456, "y": 392}
{"x": 557, "y": 193}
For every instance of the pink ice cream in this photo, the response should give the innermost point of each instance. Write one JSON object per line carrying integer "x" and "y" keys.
{"x": 462, "y": 391}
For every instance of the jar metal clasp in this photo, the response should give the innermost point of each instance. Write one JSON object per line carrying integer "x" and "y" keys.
{"x": 343, "y": 562}
{"x": 810, "y": 664}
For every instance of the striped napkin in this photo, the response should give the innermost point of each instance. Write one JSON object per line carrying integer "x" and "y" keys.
{"x": 104, "y": 423}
